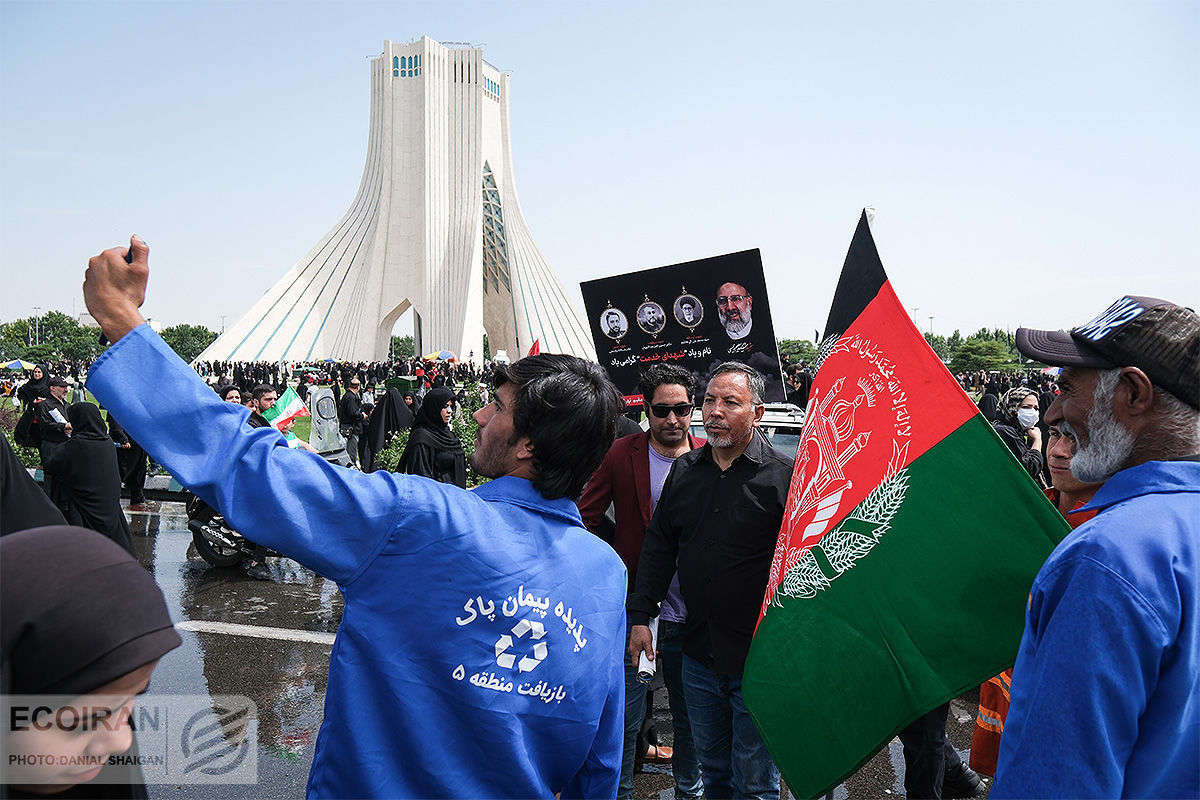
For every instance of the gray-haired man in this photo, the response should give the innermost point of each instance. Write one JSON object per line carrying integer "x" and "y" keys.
{"x": 718, "y": 518}
{"x": 1107, "y": 679}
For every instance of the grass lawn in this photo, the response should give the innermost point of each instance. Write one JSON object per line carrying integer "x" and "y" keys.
{"x": 303, "y": 428}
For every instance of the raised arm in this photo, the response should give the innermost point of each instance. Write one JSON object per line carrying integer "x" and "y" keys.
{"x": 328, "y": 518}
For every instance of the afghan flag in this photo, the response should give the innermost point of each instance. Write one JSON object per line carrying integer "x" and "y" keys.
{"x": 288, "y": 407}
{"x": 908, "y": 547}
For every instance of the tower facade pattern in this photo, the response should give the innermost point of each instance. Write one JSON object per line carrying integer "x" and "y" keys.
{"x": 436, "y": 226}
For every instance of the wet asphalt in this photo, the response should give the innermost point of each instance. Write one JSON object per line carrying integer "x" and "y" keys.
{"x": 271, "y": 640}
{"x": 285, "y": 677}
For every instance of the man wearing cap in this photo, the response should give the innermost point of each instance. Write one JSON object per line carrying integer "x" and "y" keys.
{"x": 55, "y": 428}
{"x": 1106, "y": 689}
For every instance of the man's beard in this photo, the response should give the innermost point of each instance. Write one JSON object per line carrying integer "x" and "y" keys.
{"x": 493, "y": 461}
{"x": 720, "y": 438}
{"x": 737, "y": 324}
{"x": 1109, "y": 442}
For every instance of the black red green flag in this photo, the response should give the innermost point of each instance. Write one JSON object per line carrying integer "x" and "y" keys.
{"x": 909, "y": 543}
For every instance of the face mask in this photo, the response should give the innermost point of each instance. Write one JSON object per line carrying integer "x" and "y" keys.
{"x": 1027, "y": 418}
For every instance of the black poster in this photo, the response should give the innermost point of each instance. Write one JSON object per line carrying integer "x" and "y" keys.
{"x": 698, "y": 315}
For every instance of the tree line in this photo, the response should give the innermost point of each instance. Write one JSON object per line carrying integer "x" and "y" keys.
{"x": 55, "y": 336}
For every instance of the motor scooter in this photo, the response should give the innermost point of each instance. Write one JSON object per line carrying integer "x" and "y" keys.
{"x": 216, "y": 542}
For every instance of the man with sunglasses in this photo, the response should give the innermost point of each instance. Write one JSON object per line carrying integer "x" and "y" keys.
{"x": 734, "y": 304}
{"x": 630, "y": 479}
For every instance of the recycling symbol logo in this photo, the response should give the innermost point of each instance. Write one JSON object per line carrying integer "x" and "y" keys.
{"x": 537, "y": 632}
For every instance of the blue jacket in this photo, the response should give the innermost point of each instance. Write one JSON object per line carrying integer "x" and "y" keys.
{"x": 480, "y": 649}
{"x": 1106, "y": 688}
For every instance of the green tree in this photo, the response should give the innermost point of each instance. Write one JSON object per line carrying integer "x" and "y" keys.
{"x": 954, "y": 342}
{"x": 50, "y": 337}
{"x": 188, "y": 341}
{"x": 14, "y": 339}
{"x": 976, "y": 354}
{"x": 402, "y": 348}
{"x": 798, "y": 351}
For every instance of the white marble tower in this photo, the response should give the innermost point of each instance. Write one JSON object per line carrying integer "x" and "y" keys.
{"x": 436, "y": 226}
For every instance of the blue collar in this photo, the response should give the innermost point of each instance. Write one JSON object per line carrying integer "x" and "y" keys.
{"x": 1152, "y": 477}
{"x": 520, "y": 492}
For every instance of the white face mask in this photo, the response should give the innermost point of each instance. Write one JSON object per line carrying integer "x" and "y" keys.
{"x": 1027, "y": 418}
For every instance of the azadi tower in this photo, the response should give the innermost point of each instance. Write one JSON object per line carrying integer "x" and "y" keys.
{"x": 436, "y": 227}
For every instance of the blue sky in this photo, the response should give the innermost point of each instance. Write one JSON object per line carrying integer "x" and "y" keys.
{"x": 1029, "y": 162}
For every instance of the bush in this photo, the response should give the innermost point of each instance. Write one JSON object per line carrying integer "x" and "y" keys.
{"x": 28, "y": 456}
{"x": 389, "y": 456}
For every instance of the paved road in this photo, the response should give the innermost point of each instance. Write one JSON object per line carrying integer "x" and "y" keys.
{"x": 267, "y": 640}
{"x": 271, "y": 642}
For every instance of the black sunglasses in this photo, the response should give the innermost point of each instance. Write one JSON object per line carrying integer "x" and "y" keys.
{"x": 681, "y": 410}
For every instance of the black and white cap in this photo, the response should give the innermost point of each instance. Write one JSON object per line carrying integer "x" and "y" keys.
{"x": 1156, "y": 336}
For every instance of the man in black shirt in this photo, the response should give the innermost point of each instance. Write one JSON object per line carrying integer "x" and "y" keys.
{"x": 264, "y": 397}
{"x": 52, "y": 415}
{"x": 717, "y": 520}
{"x": 350, "y": 418}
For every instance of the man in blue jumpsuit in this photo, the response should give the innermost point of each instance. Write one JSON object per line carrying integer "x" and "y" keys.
{"x": 1106, "y": 688}
{"x": 480, "y": 650}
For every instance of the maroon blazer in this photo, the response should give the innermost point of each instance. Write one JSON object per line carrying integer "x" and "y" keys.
{"x": 623, "y": 479}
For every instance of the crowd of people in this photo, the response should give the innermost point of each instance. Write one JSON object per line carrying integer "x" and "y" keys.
{"x": 649, "y": 553}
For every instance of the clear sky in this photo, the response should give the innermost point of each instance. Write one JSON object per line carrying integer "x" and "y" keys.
{"x": 1030, "y": 162}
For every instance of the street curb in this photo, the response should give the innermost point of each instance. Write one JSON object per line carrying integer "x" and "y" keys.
{"x": 158, "y": 487}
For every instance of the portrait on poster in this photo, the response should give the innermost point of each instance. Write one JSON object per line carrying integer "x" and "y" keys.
{"x": 689, "y": 311}
{"x": 650, "y": 317}
{"x": 614, "y": 323}
{"x": 734, "y": 307}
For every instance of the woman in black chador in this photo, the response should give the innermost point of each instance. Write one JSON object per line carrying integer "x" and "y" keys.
{"x": 86, "y": 473}
{"x": 37, "y": 387}
{"x": 433, "y": 450}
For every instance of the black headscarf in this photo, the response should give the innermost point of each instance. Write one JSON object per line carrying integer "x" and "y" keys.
{"x": 390, "y": 415}
{"x": 23, "y": 504}
{"x": 77, "y": 613}
{"x": 416, "y": 402}
{"x": 987, "y": 406}
{"x": 87, "y": 476}
{"x": 33, "y": 389}
{"x": 87, "y": 423}
{"x": 433, "y": 450}
{"x": 1006, "y": 409}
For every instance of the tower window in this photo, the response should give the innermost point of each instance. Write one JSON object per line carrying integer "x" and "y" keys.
{"x": 495, "y": 251}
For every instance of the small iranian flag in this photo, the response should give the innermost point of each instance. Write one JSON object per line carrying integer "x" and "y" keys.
{"x": 288, "y": 407}
{"x": 909, "y": 543}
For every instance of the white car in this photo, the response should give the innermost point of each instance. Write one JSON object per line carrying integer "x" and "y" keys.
{"x": 781, "y": 424}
